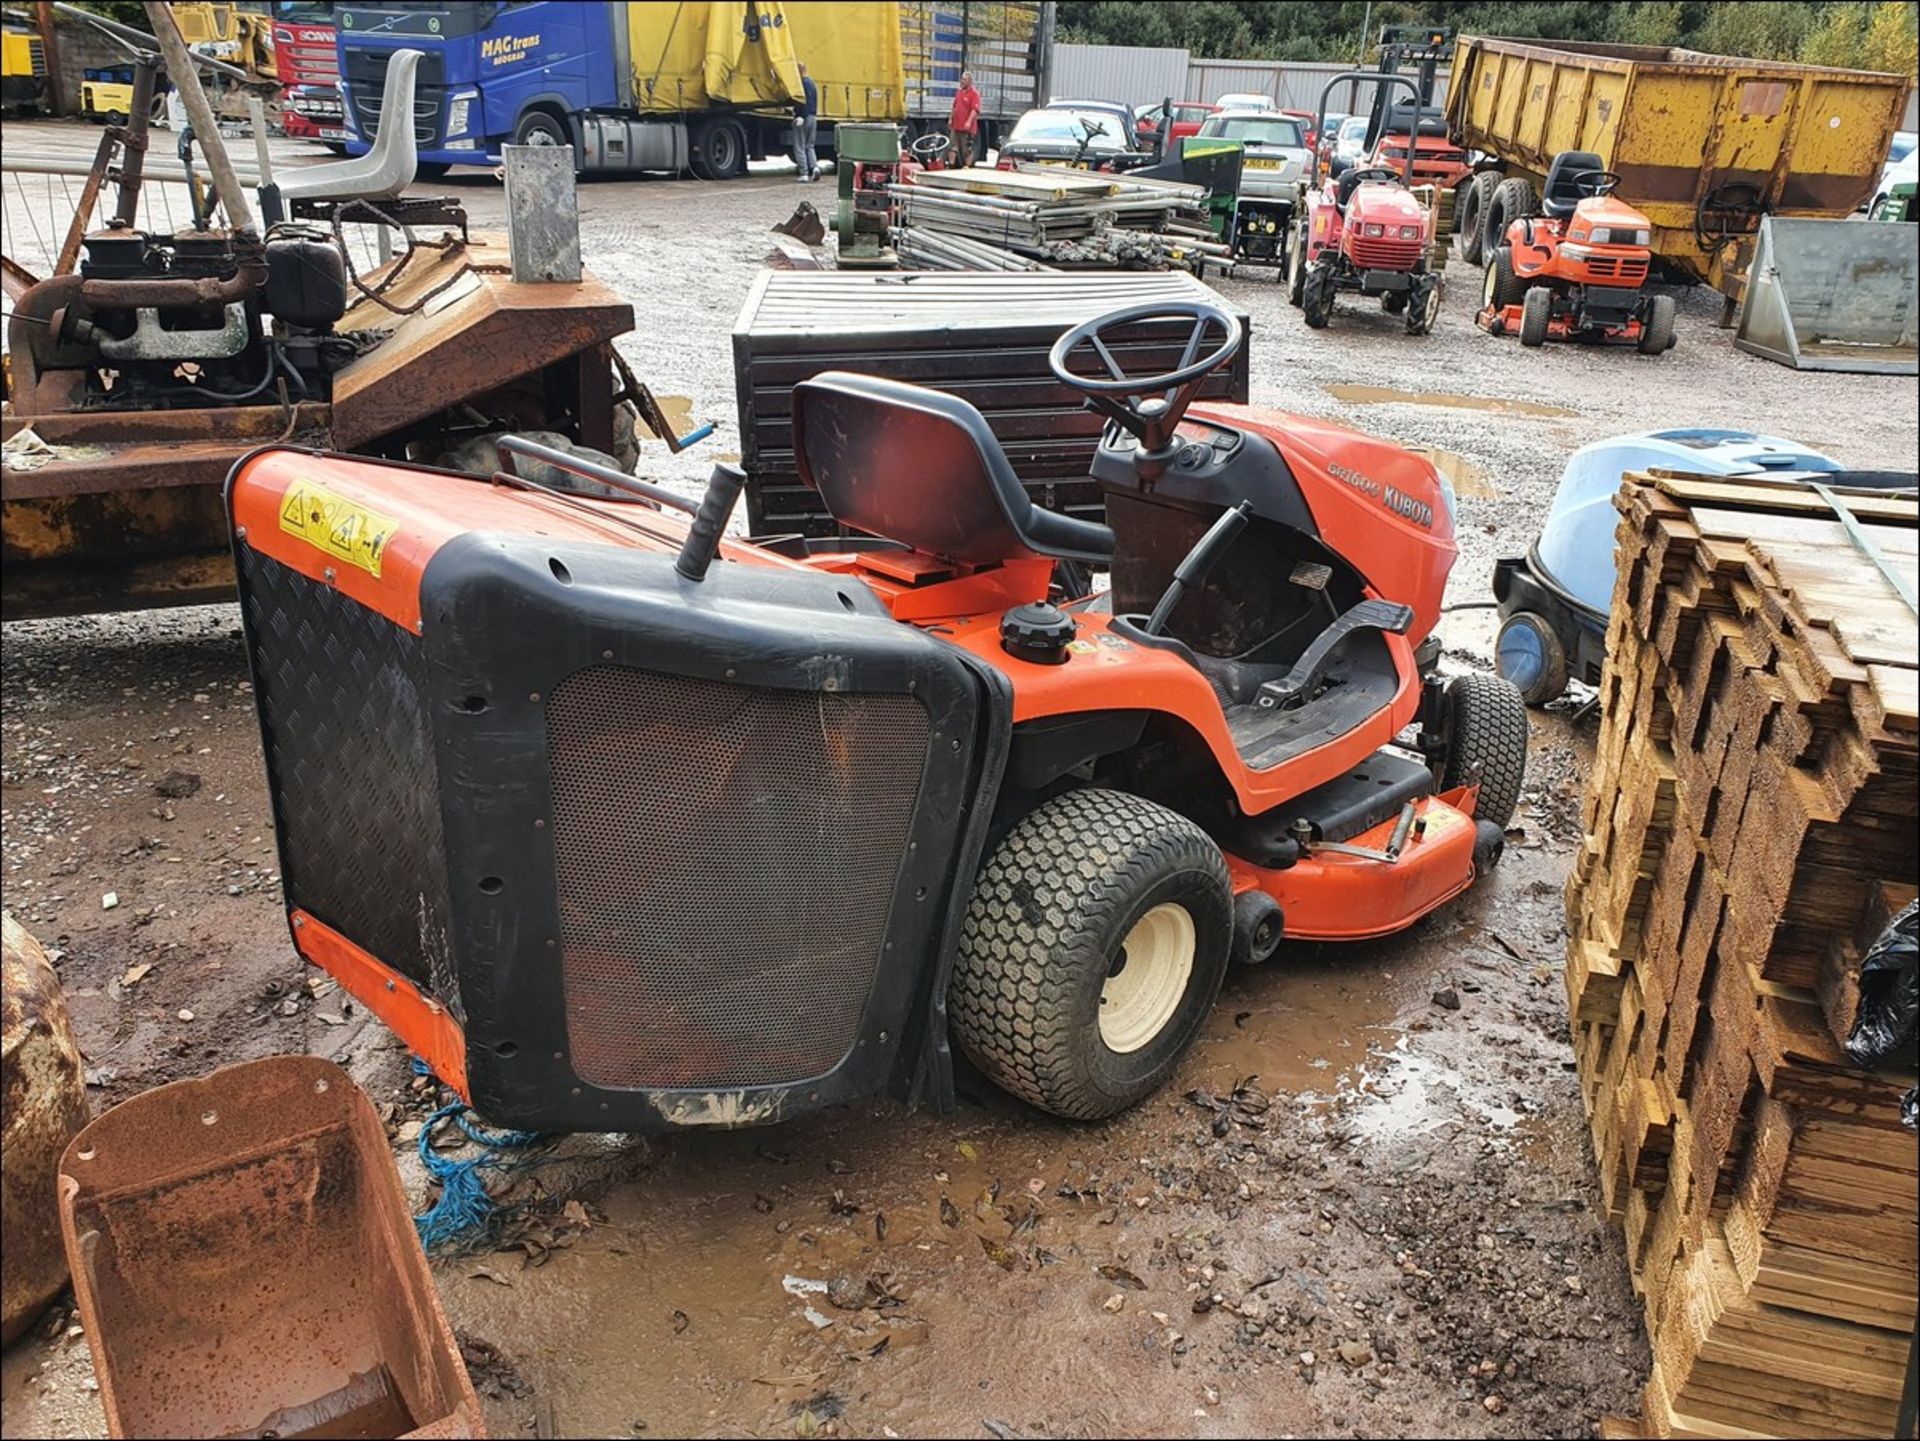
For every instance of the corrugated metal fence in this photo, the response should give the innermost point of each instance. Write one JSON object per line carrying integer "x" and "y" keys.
{"x": 1135, "y": 74}
{"x": 1140, "y": 75}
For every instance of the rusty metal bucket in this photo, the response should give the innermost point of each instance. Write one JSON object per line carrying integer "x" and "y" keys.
{"x": 246, "y": 1266}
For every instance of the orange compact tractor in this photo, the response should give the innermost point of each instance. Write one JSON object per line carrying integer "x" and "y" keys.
{"x": 624, "y": 823}
{"x": 1579, "y": 269}
{"x": 1365, "y": 231}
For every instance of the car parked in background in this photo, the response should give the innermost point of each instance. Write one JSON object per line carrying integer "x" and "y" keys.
{"x": 1119, "y": 117}
{"x": 1349, "y": 142}
{"x": 1187, "y": 117}
{"x": 1277, "y": 158}
{"x": 1309, "y": 124}
{"x": 1898, "y": 165}
{"x": 1063, "y": 134}
{"x": 1243, "y": 100}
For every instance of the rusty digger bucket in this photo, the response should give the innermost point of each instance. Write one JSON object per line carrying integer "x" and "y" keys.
{"x": 245, "y": 1264}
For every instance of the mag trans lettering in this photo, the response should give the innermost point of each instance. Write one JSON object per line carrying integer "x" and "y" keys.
{"x": 680, "y": 86}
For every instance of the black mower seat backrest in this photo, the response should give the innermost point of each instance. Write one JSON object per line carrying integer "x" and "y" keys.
{"x": 1561, "y": 194}
{"x": 923, "y": 468}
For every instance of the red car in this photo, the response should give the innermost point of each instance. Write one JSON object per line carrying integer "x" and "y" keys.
{"x": 1187, "y": 118}
{"x": 1309, "y": 125}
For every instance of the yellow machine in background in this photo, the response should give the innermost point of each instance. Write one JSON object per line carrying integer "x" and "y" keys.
{"x": 226, "y": 32}
{"x": 1704, "y": 145}
{"x": 23, "y": 68}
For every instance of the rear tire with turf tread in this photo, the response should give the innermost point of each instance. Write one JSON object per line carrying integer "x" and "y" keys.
{"x": 1657, "y": 336}
{"x": 1488, "y": 740}
{"x": 1503, "y": 287}
{"x": 1044, "y": 928}
{"x": 1536, "y": 312}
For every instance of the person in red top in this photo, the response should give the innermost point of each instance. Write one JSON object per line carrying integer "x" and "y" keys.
{"x": 963, "y": 125}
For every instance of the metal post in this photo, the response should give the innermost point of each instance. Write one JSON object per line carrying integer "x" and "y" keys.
{"x": 133, "y": 158}
{"x": 543, "y": 213}
{"x": 205, "y": 126}
{"x": 257, "y": 115}
{"x": 50, "y": 48}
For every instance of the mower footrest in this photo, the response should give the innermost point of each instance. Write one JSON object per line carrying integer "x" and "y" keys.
{"x": 1299, "y": 683}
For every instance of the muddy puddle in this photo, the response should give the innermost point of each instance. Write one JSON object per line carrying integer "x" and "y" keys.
{"x": 1499, "y": 405}
{"x": 1469, "y": 481}
{"x": 995, "y": 1272}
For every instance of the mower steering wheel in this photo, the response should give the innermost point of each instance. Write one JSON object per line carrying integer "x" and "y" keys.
{"x": 1148, "y": 407}
{"x": 930, "y": 147}
{"x": 1596, "y": 183}
{"x": 1371, "y": 172}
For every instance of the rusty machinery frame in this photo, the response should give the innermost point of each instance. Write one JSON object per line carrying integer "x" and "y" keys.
{"x": 122, "y": 510}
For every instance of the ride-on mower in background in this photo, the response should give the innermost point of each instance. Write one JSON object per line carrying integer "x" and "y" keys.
{"x": 1365, "y": 231}
{"x": 623, "y": 823}
{"x": 1577, "y": 271}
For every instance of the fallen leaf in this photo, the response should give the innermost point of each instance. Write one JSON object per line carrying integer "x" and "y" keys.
{"x": 797, "y": 1381}
{"x": 949, "y": 1213}
{"x": 134, "y": 973}
{"x": 681, "y": 1320}
{"x": 968, "y": 1150}
{"x": 576, "y": 1214}
{"x": 487, "y": 1273}
{"x": 1121, "y": 1276}
{"x": 997, "y": 1253}
{"x": 879, "y": 1225}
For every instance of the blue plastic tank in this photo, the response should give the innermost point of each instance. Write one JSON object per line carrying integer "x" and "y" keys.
{"x": 1575, "y": 548}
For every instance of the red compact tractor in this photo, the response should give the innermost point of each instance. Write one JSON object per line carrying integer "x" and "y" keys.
{"x": 1364, "y": 232}
{"x": 1579, "y": 270}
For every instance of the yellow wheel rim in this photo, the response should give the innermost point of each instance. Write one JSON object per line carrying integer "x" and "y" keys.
{"x": 1147, "y": 979}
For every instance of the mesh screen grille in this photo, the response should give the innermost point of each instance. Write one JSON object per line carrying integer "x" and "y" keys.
{"x": 726, "y": 862}
{"x": 343, "y": 705}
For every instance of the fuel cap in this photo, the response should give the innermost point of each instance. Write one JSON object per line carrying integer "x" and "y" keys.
{"x": 1038, "y": 632}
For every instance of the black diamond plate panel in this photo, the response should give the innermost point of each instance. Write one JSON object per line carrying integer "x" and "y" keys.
{"x": 349, "y": 746}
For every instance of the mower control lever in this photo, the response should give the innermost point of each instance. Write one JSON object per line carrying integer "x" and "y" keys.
{"x": 1193, "y": 569}
{"x": 710, "y": 521}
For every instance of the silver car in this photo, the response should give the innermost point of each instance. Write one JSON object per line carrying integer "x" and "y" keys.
{"x": 1276, "y": 151}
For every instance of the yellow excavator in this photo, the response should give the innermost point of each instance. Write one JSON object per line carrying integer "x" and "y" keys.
{"x": 226, "y": 32}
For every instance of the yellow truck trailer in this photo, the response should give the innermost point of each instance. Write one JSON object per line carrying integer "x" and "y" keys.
{"x": 1705, "y": 145}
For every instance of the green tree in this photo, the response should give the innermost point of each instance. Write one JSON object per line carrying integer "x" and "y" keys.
{"x": 1836, "y": 39}
{"x": 1892, "y": 41}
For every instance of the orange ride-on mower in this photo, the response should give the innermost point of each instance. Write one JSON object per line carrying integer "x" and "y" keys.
{"x": 1578, "y": 270}
{"x": 1364, "y": 232}
{"x": 624, "y": 823}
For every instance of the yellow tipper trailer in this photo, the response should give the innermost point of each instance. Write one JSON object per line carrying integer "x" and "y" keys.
{"x": 1705, "y": 145}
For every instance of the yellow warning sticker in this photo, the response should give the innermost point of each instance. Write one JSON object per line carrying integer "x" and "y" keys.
{"x": 342, "y": 528}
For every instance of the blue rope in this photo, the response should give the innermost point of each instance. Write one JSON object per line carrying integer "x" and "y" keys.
{"x": 463, "y": 1210}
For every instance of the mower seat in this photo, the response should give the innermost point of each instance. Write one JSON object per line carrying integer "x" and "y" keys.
{"x": 1349, "y": 182}
{"x": 1560, "y": 194}
{"x": 923, "y": 468}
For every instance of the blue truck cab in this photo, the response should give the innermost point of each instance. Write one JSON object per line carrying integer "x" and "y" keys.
{"x": 493, "y": 74}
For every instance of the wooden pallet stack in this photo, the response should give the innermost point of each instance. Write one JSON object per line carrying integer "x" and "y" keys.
{"x": 1750, "y": 828}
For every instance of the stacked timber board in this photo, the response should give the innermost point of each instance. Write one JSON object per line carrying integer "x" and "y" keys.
{"x": 983, "y": 337}
{"x": 1750, "y": 829}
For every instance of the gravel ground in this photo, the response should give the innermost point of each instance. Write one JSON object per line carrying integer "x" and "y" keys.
{"x": 1365, "y": 1206}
